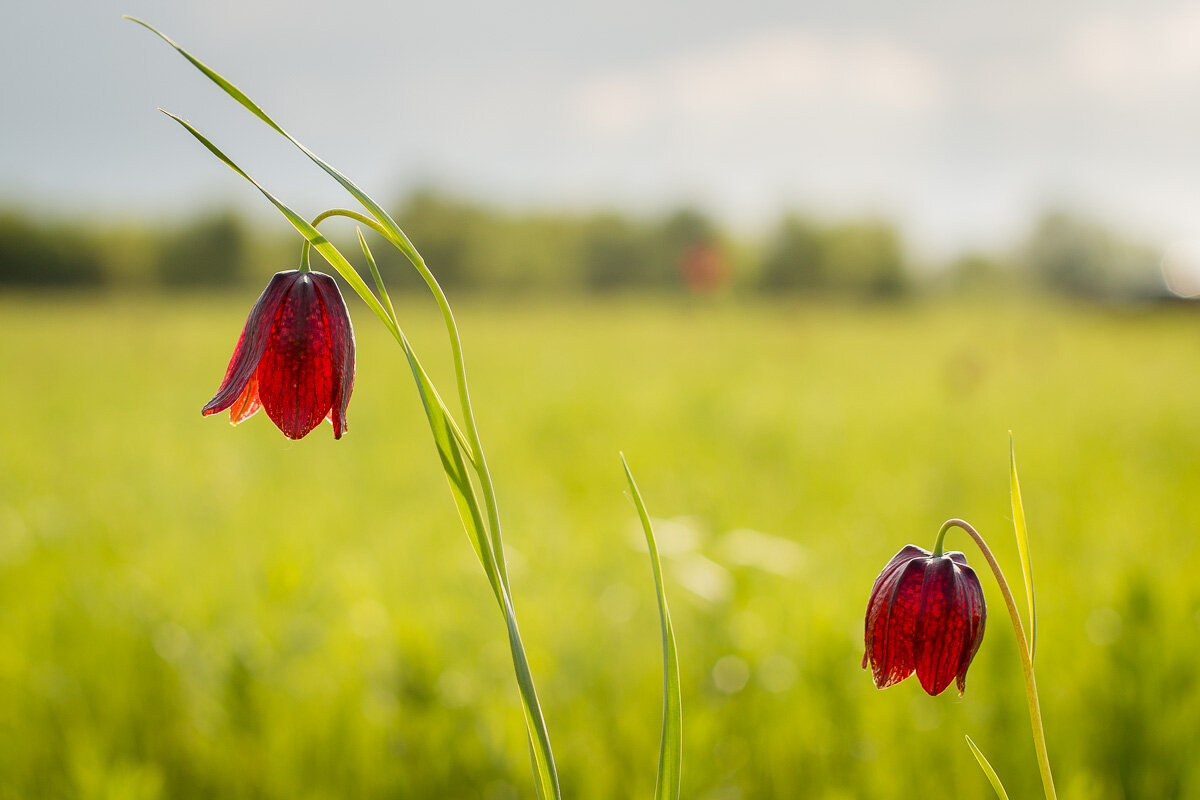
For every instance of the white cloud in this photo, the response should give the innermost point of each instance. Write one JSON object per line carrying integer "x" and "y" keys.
{"x": 851, "y": 77}
{"x": 1123, "y": 58}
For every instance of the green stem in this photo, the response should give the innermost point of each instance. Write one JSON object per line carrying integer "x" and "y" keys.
{"x": 1035, "y": 710}
{"x": 396, "y": 236}
{"x": 460, "y": 370}
{"x": 400, "y": 241}
{"x": 496, "y": 563}
{"x": 337, "y": 212}
{"x": 941, "y": 538}
{"x": 385, "y": 311}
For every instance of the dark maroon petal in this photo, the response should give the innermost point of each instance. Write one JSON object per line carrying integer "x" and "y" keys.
{"x": 977, "y": 614}
{"x": 251, "y": 343}
{"x": 881, "y": 592}
{"x": 341, "y": 337}
{"x": 891, "y": 620}
{"x": 943, "y": 626}
{"x": 296, "y": 373}
{"x": 906, "y": 554}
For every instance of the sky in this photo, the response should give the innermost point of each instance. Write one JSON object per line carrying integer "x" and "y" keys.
{"x": 961, "y": 121}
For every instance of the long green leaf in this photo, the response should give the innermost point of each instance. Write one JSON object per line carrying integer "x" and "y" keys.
{"x": 400, "y": 240}
{"x": 444, "y": 430}
{"x": 315, "y": 237}
{"x": 1018, "y": 512}
{"x": 424, "y": 384}
{"x": 379, "y": 287}
{"x": 992, "y": 777}
{"x": 542, "y": 756}
{"x": 455, "y": 469}
{"x": 670, "y": 751}
{"x": 396, "y": 235}
{"x": 452, "y": 462}
{"x": 450, "y": 448}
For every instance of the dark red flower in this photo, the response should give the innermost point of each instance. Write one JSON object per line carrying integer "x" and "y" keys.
{"x": 295, "y": 357}
{"x": 926, "y": 614}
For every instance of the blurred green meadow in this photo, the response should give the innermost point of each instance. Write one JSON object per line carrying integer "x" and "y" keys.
{"x": 189, "y": 610}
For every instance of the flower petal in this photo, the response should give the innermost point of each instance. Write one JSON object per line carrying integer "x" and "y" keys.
{"x": 906, "y": 554}
{"x": 943, "y": 626}
{"x": 251, "y": 343}
{"x": 891, "y": 619}
{"x": 341, "y": 336}
{"x": 977, "y": 612}
{"x": 247, "y": 405}
{"x": 296, "y": 372}
{"x": 876, "y": 600}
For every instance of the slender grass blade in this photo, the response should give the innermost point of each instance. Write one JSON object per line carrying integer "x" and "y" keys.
{"x": 424, "y": 385}
{"x": 315, "y": 237}
{"x": 670, "y": 753}
{"x": 992, "y": 777}
{"x": 379, "y": 287}
{"x": 395, "y": 234}
{"x": 1018, "y": 512}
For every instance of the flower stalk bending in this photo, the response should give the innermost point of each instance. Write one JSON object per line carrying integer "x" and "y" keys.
{"x": 1031, "y": 695}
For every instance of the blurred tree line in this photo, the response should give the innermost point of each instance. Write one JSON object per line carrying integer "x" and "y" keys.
{"x": 473, "y": 247}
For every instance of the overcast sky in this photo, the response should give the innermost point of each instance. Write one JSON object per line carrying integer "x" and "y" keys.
{"x": 959, "y": 119}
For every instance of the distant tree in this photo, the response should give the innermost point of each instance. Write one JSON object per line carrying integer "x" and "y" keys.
{"x": 857, "y": 258}
{"x": 795, "y": 257}
{"x": 690, "y": 246}
{"x": 683, "y": 229}
{"x": 1086, "y": 259}
{"x": 211, "y": 251}
{"x": 447, "y": 231}
{"x": 865, "y": 258}
{"x": 530, "y": 252}
{"x": 33, "y": 254}
{"x": 614, "y": 254}
{"x": 978, "y": 272}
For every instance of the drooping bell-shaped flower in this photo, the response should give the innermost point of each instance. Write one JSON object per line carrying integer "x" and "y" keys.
{"x": 295, "y": 357}
{"x": 925, "y": 615}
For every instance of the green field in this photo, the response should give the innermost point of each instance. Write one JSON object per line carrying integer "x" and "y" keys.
{"x": 189, "y": 610}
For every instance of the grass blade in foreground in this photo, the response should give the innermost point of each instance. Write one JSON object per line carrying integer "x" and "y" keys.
{"x": 984, "y": 765}
{"x": 1018, "y": 511}
{"x": 670, "y": 753}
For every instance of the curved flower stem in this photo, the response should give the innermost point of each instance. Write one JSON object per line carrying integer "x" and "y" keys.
{"x": 460, "y": 372}
{"x": 338, "y": 212}
{"x": 385, "y": 311}
{"x": 1035, "y": 710}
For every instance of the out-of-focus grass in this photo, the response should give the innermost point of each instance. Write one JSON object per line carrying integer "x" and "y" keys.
{"x": 191, "y": 610}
